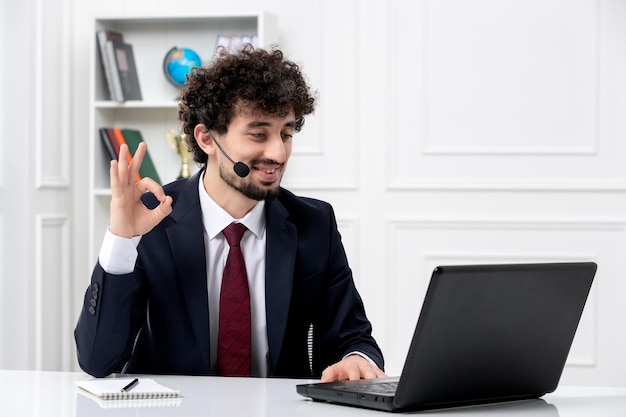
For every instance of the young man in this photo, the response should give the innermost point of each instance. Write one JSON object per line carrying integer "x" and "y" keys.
{"x": 156, "y": 302}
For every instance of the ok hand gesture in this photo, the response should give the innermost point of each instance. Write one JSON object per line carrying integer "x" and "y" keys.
{"x": 129, "y": 216}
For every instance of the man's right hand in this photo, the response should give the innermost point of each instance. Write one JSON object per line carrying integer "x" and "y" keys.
{"x": 129, "y": 216}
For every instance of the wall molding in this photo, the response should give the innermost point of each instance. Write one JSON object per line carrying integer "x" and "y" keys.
{"x": 52, "y": 275}
{"x": 51, "y": 95}
{"x": 499, "y": 158}
{"x": 3, "y": 294}
{"x": 507, "y": 185}
{"x": 474, "y": 241}
{"x": 589, "y": 323}
{"x": 3, "y": 79}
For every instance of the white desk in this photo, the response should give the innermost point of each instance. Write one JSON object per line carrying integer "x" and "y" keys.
{"x": 43, "y": 394}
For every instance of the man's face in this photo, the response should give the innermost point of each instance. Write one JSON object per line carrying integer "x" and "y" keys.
{"x": 263, "y": 142}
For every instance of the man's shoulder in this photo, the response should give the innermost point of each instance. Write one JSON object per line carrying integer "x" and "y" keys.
{"x": 301, "y": 211}
{"x": 293, "y": 202}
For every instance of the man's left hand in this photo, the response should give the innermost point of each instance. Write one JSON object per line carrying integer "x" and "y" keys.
{"x": 352, "y": 367}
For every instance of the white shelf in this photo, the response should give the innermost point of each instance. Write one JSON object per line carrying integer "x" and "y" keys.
{"x": 107, "y": 104}
{"x": 152, "y": 37}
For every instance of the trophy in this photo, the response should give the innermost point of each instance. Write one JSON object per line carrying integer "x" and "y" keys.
{"x": 177, "y": 142}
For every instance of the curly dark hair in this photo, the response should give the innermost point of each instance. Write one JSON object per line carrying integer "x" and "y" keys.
{"x": 254, "y": 77}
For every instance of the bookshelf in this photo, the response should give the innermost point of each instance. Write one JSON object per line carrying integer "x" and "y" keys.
{"x": 154, "y": 115}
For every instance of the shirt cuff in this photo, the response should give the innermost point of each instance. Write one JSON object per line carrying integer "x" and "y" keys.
{"x": 118, "y": 255}
{"x": 363, "y": 355}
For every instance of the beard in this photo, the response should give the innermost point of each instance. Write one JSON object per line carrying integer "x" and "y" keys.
{"x": 246, "y": 187}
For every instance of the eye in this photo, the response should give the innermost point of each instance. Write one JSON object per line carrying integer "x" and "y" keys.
{"x": 257, "y": 135}
{"x": 287, "y": 136}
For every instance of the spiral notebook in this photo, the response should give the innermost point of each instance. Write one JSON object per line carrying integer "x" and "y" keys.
{"x": 110, "y": 389}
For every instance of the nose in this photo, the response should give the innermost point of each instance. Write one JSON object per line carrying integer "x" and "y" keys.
{"x": 277, "y": 149}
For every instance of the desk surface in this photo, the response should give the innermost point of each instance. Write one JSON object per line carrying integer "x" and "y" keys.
{"x": 43, "y": 394}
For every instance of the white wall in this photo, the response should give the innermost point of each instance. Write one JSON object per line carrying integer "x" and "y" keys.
{"x": 454, "y": 131}
{"x": 35, "y": 189}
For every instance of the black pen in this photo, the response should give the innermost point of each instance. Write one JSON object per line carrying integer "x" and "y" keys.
{"x": 130, "y": 385}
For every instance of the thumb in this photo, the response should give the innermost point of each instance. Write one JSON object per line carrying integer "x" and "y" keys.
{"x": 164, "y": 208}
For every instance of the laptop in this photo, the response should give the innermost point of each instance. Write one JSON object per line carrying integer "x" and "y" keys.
{"x": 485, "y": 334}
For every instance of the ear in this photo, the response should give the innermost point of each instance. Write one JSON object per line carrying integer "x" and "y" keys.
{"x": 203, "y": 139}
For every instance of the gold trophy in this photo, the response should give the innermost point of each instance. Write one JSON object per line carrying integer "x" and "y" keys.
{"x": 178, "y": 143}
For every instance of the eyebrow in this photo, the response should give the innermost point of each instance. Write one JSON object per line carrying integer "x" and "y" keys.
{"x": 265, "y": 124}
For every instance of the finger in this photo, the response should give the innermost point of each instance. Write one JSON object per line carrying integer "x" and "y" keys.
{"x": 122, "y": 164}
{"x": 165, "y": 208}
{"x": 370, "y": 371}
{"x": 114, "y": 176}
{"x": 138, "y": 157}
{"x": 353, "y": 373}
{"x": 330, "y": 374}
{"x": 148, "y": 184}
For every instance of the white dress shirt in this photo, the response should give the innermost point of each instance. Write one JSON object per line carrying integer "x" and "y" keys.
{"x": 215, "y": 219}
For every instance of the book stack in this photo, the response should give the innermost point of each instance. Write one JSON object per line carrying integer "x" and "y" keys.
{"x": 118, "y": 62}
{"x": 113, "y": 138}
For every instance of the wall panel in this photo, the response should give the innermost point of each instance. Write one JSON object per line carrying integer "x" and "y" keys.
{"x": 514, "y": 88}
{"x": 52, "y": 108}
{"x": 416, "y": 246}
{"x": 325, "y": 151}
{"x": 53, "y": 331}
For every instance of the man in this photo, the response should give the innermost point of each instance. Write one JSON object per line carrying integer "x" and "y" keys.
{"x": 155, "y": 302}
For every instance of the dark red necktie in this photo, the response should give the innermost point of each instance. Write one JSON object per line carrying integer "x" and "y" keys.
{"x": 233, "y": 345}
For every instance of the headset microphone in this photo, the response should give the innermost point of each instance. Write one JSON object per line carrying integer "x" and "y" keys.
{"x": 240, "y": 168}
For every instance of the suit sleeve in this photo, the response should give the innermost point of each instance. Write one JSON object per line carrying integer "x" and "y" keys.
{"x": 112, "y": 314}
{"x": 346, "y": 326}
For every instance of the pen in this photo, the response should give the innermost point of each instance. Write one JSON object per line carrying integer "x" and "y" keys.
{"x": 130, "y": 385}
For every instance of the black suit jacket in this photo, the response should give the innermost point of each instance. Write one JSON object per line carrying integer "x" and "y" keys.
{"x": 156, "y": 320}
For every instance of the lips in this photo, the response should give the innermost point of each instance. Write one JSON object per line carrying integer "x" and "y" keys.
{"x": 267, "y": 173}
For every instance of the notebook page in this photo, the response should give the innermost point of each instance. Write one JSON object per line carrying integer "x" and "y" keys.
{"x": 109, "y": 389}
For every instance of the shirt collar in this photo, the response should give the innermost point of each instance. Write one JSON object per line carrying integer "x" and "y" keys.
{"x": 215, "y": 218}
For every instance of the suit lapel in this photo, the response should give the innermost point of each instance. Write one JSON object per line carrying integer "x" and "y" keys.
{"x": 186, "y": 237}
{"x": 281, "y": 247}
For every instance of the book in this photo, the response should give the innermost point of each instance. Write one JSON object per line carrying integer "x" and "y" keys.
{"x": 126, "y": 70}
{"x": 104, "y": 135}
{"x": 114, "y": 142}
{"x": 133, "y": 139}
{"x": 105, "y": 39}
{"x": 108, "y": 389}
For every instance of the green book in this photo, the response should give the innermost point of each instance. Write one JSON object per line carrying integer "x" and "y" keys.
{"x": 133, "y": 139}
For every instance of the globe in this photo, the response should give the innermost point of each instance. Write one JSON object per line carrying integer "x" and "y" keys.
{"x": 178, "y": 63}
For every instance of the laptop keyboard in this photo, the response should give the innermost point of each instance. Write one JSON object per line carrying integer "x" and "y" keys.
{"x": 374, "y": 388}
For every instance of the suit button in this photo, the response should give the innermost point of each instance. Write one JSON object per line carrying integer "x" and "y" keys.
{"x": 94, "y": 295}
{"x": 93, "y": 302}
{"x": 92, "y": 310}
{"x": 95, "y": 287}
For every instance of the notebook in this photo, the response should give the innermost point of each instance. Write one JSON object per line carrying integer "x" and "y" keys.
{"x": 485, "y": 334}
{"x": 110, "y": 389}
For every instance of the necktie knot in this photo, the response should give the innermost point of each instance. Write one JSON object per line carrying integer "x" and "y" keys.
{"x": 233, "y": 233}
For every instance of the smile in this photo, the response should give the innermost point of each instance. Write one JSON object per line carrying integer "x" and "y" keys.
{"x": 268, "y": 173}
